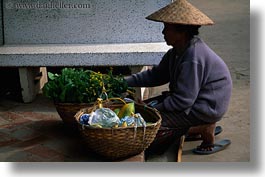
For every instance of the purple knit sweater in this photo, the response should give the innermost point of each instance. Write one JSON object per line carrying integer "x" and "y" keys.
{"x": 199, "y": 82}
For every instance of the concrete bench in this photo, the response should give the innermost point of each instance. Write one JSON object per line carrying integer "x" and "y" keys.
{"x": 35, "y": 35}
{"x": 32, "y": 60}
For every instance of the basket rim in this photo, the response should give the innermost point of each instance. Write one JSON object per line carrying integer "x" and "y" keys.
{"x": 118, "y": 128}
{"x": 155, "y": 111}
{"x": 67, "y": 103}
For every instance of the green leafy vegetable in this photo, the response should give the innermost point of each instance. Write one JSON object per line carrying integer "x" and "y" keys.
{"x": 82, "y": 86}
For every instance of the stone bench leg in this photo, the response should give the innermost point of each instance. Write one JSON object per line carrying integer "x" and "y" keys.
{"x": 32, "y": 79}
{"x": 138, "y": 90}
{"x": 141, "y": 92}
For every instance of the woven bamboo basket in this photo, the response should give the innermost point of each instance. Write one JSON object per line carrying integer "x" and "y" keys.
{"x": 120, "y": 142}
{"x": 67, "y": 112}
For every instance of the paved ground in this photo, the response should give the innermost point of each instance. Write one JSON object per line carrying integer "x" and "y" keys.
{"x": 35, "y": 133}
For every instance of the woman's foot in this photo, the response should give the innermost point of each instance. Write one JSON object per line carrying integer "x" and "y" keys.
{"x": 205, "y": 147}
{"x": 197, "y": 136}
{"x": 207, "y": 134}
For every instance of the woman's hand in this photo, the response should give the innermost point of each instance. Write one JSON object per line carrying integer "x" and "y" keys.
{"x": 141, "y": 102}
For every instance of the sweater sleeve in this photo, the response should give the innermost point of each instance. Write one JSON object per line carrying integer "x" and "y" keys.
{"x": 156, "y": 76}
{"x": 186, "y": 88}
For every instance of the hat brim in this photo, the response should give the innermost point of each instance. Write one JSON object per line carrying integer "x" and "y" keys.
{"x": 180, "y": 12}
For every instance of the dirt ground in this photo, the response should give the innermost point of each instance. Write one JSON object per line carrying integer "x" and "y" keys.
{"x": 229, "y": 37}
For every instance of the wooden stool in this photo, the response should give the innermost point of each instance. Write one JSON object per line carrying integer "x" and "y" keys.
{"x": 179, "y": 148}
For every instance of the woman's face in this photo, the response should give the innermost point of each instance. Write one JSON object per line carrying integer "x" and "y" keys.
{"x": 172, "y": 35}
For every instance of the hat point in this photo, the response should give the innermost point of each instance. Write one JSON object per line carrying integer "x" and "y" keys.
{"x": 180, "y": 12}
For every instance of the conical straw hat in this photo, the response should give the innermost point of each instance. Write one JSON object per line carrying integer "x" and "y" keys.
{"x": 180, "y": 12}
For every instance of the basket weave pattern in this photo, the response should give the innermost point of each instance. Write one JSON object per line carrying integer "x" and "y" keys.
{"x": 121, "y": 142}
{"x": 67, "y": 112}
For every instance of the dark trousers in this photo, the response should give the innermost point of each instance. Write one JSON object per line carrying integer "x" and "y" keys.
{"x": 173, "y": 126}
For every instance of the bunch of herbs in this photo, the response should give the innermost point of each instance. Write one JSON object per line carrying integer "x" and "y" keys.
{"x": 83, "y": 86}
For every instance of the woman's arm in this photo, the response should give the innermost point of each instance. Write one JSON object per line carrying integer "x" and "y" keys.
{"x": 156, "y": 76}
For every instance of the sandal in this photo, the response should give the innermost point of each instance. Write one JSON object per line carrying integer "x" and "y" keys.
{"x": 206, "y": 149}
